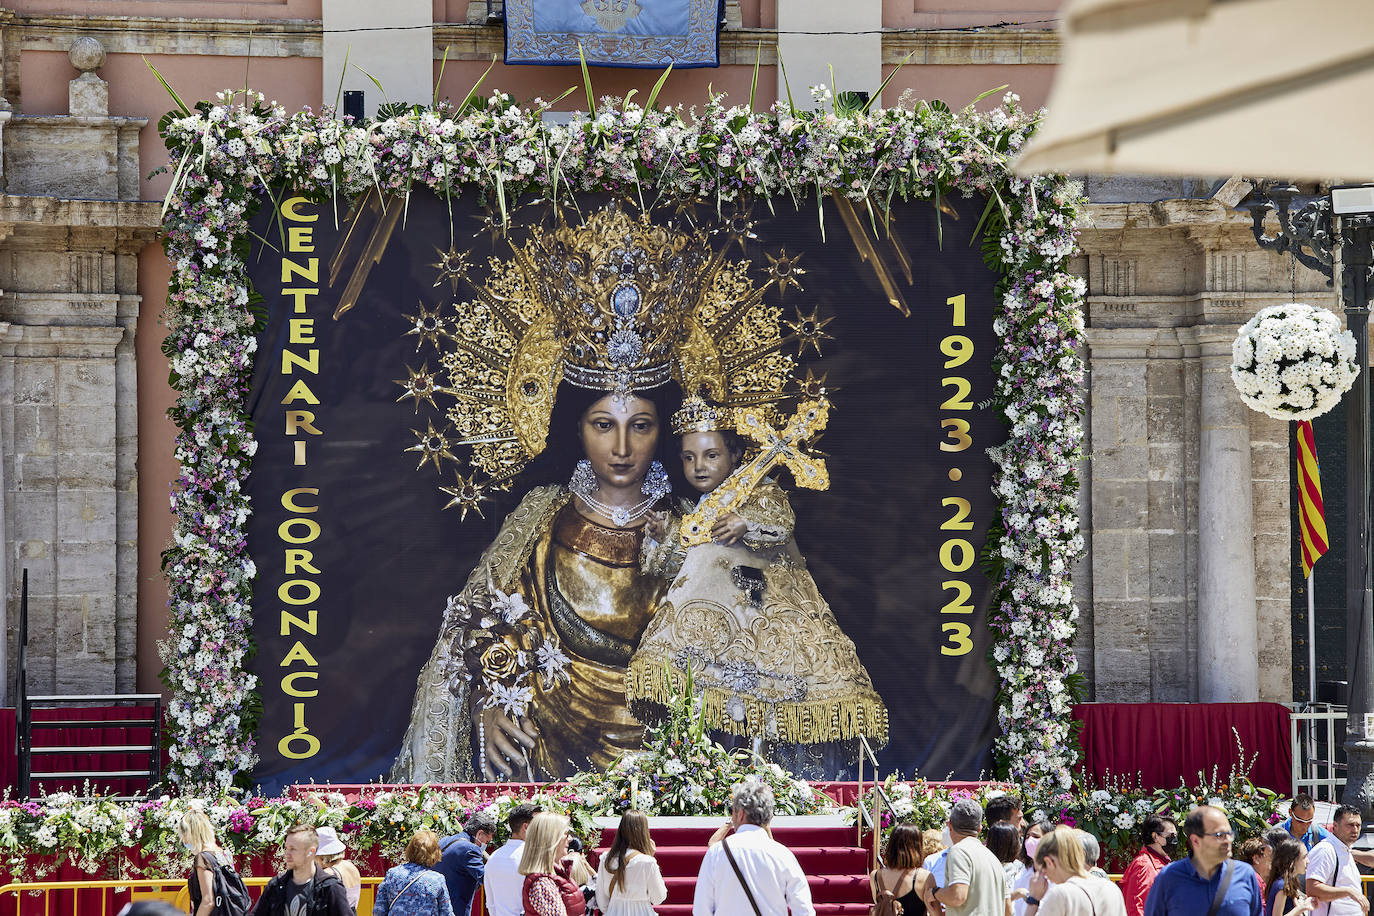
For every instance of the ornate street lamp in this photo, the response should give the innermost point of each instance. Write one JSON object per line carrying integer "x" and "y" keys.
{"x": 1310, "y": 234}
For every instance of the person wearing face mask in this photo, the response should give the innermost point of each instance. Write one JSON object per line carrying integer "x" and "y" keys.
{"x": 1160, "y": 835}
{"x": 1020, "y": 888}
{"x": 198, "y": 836}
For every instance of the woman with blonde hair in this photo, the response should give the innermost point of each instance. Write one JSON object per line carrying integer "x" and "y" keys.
{"x": 629, "y": 882}
{"x": 198, "y": 836}
{"x": 546, "y": 892}
{"x": 1059, "y": 858}
{"x": 332, "y": 857}
{"x": 414, "y": 888}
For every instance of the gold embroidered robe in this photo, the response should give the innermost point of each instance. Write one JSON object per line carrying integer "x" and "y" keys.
{"x": 588, "y": 595}
{"x": 766, "y": 653}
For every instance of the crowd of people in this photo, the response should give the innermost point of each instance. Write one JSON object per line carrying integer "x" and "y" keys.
{"x": 991, "y": 862}
{"x": 986, "y": 862}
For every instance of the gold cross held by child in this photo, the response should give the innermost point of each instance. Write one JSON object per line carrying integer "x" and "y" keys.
{"x": 776, "y": 447}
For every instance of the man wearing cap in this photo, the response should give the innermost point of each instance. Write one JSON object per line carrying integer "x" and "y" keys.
{"x": 975, "y": 882}
{"x": 462, "y": 860}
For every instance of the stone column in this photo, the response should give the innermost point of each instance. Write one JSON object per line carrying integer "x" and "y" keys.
{"x": 1119, "y": 506}
{"x": 1227, "y": 628}
{"x": 57, "y": 400}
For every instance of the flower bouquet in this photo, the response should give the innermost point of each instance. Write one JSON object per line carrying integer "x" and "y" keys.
{"x": 1293, "y": 362}
{"x": 681, "y": 771}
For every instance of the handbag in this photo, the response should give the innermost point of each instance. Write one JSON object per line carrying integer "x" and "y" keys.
{"x": 740, "y": 875}
{"x": 886, "y": 904}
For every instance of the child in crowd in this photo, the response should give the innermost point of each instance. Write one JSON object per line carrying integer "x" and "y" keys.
{"x": 765, "y": 652}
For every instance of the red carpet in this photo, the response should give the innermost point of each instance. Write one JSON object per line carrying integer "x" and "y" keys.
{"x": 836, "y": 869}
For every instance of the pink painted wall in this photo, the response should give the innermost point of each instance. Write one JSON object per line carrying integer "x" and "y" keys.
{"x": 959, "y": 85}
{"x": 948, "y": 14}
{"x": 296, "y": 82}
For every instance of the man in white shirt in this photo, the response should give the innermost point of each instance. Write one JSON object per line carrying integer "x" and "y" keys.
{"x": 775, "y": 881}
{"x": 1332, "y": 876}
{"x": 502, "y": 884}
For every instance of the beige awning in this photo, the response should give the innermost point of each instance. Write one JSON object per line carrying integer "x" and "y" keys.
{"x": 1281, "y": 88}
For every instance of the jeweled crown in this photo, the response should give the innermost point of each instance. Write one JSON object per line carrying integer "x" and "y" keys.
{"x": 697, "y": 416}
{"x": 619, "y": 288}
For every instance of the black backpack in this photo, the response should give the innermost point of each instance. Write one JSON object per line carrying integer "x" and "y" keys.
{"x": 231, "y": 895}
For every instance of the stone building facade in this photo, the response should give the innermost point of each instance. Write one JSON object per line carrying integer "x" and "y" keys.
{"x": 1186, "y": 592}
{"x": 71, "y": 230}
{"x": 1186, "y": 587}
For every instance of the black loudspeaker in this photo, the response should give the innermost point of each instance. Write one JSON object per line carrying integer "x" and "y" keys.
{"x": 353, "y": 104}
{"x": 1337, "y": 693}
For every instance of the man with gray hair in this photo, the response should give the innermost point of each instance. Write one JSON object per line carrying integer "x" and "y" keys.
{"x": 975, "y": 883}
{"x": 750, "y": 872}
{"x": 462, "y": 859}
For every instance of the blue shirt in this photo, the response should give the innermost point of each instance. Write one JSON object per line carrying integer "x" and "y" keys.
{"x": 1180, "y": 891}
{"x": 935, "y": 864}
{"x": 412, "y": 890}
{"x": 463, "y": 866}
{"x": 1314, "y": 835}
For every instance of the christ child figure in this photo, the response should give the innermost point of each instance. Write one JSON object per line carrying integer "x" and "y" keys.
{"x": 743, "y": 614}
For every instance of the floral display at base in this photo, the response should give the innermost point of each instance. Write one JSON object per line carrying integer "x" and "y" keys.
{"x": 1110, "y": 810}
{"x": 139, "y": 839}
{"x": 226, "y": 155}
{"x": 681, "y": 771}
{"x": 1293, "y": 361}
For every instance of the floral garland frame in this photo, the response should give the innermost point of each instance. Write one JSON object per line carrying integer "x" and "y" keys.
{"x": 224, "y": 154}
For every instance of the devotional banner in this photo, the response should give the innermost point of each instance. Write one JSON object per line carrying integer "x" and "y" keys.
{"x": 516, "y": 487}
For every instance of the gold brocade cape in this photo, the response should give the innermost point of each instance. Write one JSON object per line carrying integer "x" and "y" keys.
{"x": 586, "y": 592}
{"x": 766, "y": 653}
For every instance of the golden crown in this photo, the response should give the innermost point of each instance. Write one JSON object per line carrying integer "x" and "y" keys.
{"x": 697, "y": 416}
{"x": 619, "y": 288}
{"x": 617, "y": 303}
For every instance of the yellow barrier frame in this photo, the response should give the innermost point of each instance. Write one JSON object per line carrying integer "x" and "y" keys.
{"x": 171, "y": 890}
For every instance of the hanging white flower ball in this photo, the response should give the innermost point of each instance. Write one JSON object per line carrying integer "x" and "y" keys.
{"x": 1293, "y": 361}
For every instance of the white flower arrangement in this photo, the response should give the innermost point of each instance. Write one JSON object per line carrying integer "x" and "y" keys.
{"x": 226, "y": 152}
{"x": 1293, "y": 361}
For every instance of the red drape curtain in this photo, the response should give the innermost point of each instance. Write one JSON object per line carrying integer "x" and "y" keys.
{"x": 1169, "y": 742}
{"x": 77, "y": 737}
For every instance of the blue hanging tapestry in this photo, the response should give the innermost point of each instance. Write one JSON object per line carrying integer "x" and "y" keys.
{"x": 614, "y": 33}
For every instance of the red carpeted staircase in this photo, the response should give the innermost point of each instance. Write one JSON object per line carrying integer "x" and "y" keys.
{"x": 836, "y": 869}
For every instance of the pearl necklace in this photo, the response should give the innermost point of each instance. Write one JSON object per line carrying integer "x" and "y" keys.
{"x": 619, "y": 515}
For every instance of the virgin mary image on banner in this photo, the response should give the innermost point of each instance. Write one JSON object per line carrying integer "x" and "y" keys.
{"x": 588, "y": 366}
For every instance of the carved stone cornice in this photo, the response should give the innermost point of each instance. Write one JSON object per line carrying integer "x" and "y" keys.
{"x": 66, "y": 341}
{"x": 478, "y": 41}
{"x": 173, "y": 35}
{"x": 135, "y": 220}
{"x": 964, "y": 46}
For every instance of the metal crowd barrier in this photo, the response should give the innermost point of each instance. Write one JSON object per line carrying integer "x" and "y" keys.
{"x": 50, "y": 898}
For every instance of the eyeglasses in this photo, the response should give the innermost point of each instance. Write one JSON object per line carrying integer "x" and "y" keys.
{"x": 1301, "y": 820}
{"x": 1222, "y": 835}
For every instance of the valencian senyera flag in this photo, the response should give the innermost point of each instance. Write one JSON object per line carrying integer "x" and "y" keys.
{"x": 614, "y": 33}
{"x": 1311, "y": 514}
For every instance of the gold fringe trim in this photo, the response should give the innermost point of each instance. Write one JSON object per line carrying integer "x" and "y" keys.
{"x": 650, "y": 687}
